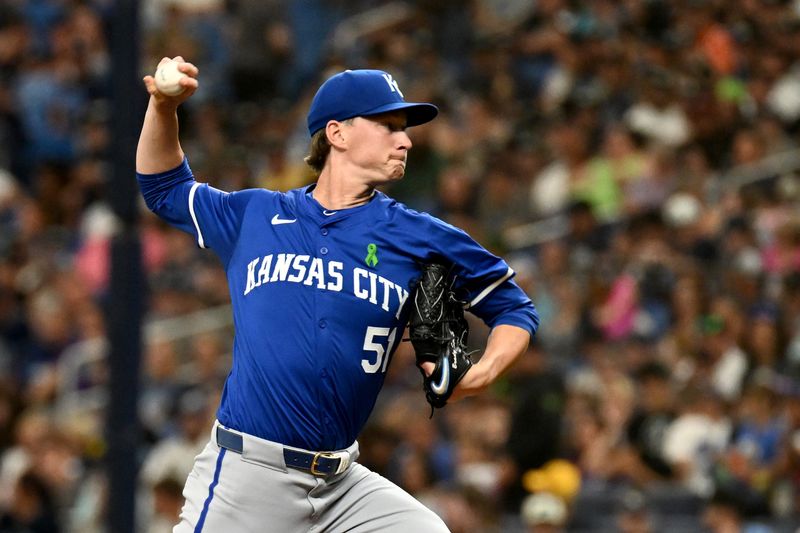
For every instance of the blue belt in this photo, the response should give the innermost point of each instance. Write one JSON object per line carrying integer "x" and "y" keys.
{"x": 321, "y": 464}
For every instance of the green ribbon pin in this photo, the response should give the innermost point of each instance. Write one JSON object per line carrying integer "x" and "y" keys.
{"x": 372, "y": 255}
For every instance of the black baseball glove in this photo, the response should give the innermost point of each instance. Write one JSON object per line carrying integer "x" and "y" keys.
{"x": 438, "y": 331}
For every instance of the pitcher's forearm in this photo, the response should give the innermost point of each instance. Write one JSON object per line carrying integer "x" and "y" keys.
{"x": 505, "y": 345}
{"x": 159, "y": 149}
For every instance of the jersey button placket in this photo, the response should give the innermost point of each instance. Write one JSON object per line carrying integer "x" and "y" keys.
{"x": 322, "y": 336}
{"x": 324, "y": 249}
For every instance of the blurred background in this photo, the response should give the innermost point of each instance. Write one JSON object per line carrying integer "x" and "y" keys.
{"x": 635, "y": 161}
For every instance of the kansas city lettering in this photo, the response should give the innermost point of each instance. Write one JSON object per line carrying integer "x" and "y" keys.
{"x": 295, "y": 269}
{"x": 377, "y": 290}
{"x": 325, "y": 275}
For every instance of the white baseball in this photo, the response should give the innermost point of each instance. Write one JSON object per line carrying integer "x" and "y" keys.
{"x": 168, "y": 79}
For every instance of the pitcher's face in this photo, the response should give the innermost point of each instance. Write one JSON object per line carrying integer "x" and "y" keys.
{"x": 379, "y": 145}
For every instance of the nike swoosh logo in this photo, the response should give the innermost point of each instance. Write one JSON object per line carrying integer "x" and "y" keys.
{"x": 444, "y": 379}
{"x": 328, "y": 213}
{"x": 276, "y": 220}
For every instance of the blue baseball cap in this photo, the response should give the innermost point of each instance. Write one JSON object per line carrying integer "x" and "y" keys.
{"x": 361, "y": 93}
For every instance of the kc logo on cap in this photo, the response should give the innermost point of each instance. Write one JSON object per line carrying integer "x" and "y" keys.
{"x": 362, "y": 93}
{"x": 392, "y": 83}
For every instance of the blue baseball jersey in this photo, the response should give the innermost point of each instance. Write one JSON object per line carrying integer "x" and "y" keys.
{"x": 321, "y": 298}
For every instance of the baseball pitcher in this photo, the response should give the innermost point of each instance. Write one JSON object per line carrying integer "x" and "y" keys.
{"x": 323, "y": 280}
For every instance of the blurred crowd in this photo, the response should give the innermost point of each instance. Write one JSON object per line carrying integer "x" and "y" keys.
{"x": 636, "y": 162}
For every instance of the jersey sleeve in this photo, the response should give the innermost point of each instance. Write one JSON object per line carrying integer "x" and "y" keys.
{"x": 482, "y": 279}
{"x": 211, "y": 216}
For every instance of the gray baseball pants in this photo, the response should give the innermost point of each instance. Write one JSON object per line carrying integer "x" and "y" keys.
{"x": 254, "y": 491}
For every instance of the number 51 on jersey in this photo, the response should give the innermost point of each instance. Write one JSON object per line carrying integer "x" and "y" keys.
{"x": 380, "y": 341}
